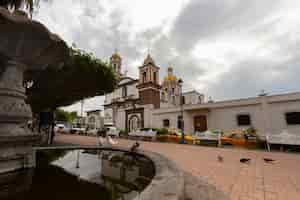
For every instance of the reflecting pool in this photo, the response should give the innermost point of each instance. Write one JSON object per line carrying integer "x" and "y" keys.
{"x": 79, "y": 174}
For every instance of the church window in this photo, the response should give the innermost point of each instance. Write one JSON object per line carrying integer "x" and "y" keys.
{"x": 166, "y": 123}
{"x": 244, "y": 120}
{"x": 124, "y": 91}
{"x": 183, "y": 100}
{"x": 179, "y": 122}
{"x": 144, "y": 77}
{"x": 154, "y": 77}
{"x": 173, "y": 100}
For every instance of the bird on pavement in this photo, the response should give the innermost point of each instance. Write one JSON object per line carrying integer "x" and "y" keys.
{"x": 245, "y": 160}
{"x": 220, "y": 158}
{"x": 134, "y": 147}
{"x": 268, "y": 160}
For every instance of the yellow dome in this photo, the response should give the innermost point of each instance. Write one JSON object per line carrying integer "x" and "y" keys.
{"x": 170, "y": 78}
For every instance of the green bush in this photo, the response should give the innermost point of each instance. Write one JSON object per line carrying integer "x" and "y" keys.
{"x": 124, "y": 132}
{"x": 146, "y": 129}
{"x": 162, "y": 138}
{"x": 162, "y": 131}
{"x": 159, "y": 131}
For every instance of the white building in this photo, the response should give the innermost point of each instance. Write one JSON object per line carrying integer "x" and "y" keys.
{"x": 144, "y": 103}
{"x": 266, "y": 114}
{"x": 94, "y": 119}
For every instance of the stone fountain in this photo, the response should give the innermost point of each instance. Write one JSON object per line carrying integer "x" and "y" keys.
{"x": 24, "y": 45}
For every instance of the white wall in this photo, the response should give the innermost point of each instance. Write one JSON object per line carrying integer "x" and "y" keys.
{"x": 267, "y": 114}
{"x": 225, "y": 119}
{"x": 120, "y": 119}
{"x": 158, "y": 119}
{"x": 108, "y": 116}
{"x": 277, "y": 117}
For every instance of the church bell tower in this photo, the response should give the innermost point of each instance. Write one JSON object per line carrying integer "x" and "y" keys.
{"x": 116, "y": 63}
{"x": 149, "y": 88}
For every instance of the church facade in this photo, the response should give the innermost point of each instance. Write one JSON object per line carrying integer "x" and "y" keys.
{"x": 131, "y": 105}
{"x": 147, "y": 103}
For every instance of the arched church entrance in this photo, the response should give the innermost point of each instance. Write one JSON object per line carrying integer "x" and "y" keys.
{"x": 134, "y": 123}
{"x": 134, "y": 119}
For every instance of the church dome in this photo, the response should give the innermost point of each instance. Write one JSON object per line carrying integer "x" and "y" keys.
{"x": 116, "y": 56}
{"x": 170, "y": 77}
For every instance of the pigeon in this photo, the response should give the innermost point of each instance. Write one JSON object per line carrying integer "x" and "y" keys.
{"x": 134, "y": 147}
{"x": 268, "y": 160}
{"x": 220, "y": 158}
{"x": 245, "y": 160}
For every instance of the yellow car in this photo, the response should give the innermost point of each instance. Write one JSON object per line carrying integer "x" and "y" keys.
{"x": 239, "y": 139}
{"x": 176, "y": 138}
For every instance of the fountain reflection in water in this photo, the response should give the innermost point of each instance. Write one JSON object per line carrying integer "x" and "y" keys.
{"x": 104, "y": 175}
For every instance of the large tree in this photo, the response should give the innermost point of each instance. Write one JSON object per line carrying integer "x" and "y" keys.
{"x": 20, "y": 4}
{"x": 82, "y": 77}
{"x": 64, "y": 116}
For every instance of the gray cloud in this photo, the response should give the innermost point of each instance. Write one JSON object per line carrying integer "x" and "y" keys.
{"x": 96, "y": 28}
{"x": 204, "y": 19}
{"x": 250, "y": 76}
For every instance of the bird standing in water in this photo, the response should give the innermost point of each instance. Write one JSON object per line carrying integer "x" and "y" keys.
{"x": 134, "y": 147}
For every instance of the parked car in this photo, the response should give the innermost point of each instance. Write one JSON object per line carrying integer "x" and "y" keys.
{"x": 80, "y": 131}
{"x": 239, "y": 139}
{"x": 176, "y": 137}
{"x": 61, "y": 128}
{"x": 112, "y": 131}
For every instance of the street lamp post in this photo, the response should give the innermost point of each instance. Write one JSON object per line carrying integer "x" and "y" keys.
{"x": 180, "y": 83}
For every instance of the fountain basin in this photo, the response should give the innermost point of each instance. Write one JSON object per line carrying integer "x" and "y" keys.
{"x": 105, "y": 173}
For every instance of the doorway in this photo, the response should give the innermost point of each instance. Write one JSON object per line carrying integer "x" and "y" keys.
{"x": 200, "y": 123}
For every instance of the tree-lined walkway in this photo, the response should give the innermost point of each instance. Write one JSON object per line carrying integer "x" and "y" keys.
{"x": 254, "y": 181}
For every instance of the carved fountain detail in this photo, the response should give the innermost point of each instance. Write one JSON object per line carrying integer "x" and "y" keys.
{"x": 24, "y": 45}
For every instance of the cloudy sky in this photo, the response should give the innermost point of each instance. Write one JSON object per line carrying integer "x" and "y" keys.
{"x": 223, "y": 48}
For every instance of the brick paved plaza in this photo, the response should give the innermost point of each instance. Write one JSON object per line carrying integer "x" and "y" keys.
{"x": 256, "y": 181}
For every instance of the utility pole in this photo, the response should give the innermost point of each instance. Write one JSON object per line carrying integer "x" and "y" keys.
{"x": 82, "y": 102}
{"x": 180, "y": 83}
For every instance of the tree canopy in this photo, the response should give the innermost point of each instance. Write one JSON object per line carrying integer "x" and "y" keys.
{"x": 83, "y": 76}
{"x": 17, "y": 4}
{"x": 64, "y": 116}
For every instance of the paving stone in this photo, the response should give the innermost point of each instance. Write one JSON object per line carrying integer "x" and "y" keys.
{"x": 256, "y": 181}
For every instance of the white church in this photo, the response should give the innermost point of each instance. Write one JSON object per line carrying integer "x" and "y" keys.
{"x": 147, "y": 103}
